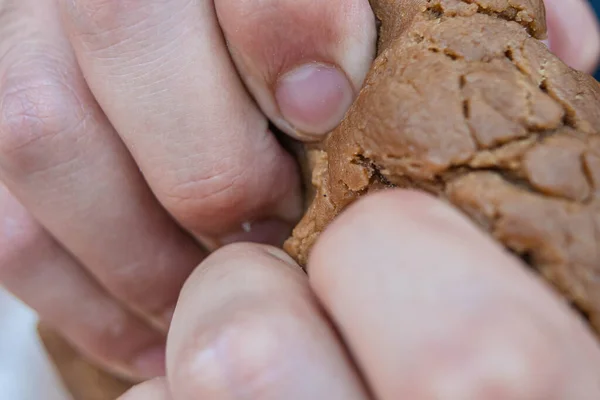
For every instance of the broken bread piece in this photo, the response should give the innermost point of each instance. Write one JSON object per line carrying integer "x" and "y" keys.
{"x": 464, "y": 101}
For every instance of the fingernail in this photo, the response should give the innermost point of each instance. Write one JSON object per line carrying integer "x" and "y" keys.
{"x": 151, "y": 363}
{"x": 282, "y": 256}
{"x": 272, "y": 231}
{"x": 313, "y": 98}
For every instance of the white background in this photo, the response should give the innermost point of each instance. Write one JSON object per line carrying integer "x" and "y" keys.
{"x": 25, "y": 371}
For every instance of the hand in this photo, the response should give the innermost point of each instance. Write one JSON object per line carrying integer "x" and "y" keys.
{"x": 127, "y": 137}
{"x": 118, "y": 176}
{"x": 405, "y": 299}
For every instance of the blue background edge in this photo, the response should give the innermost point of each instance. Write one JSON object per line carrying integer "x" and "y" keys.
{"x": 596, "y": 5}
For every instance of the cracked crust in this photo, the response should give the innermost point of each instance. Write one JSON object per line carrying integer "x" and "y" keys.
{"x": 466, "y": 103}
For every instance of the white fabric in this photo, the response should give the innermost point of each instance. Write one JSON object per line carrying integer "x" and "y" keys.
{"x": 25, "y": 371}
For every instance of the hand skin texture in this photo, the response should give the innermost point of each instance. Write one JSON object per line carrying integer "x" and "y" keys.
{"x": 134, "y": 138}
{"x": 424, "y": 305}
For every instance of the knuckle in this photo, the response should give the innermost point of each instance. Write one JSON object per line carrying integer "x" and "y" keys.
{"x": 246, "y": 353}
{"x": 221, "y": 192}
{"x": 35, "y": 111}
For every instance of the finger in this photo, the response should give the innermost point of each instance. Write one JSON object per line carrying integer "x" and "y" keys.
{"x": 161, "y": 71}
{"x": 156, "y": 389}
{"x": 432, "y": 308}
{"x": 246, "y": 327}
{"x": 40, "y": 273}
{"x": 573, "y": 33}
{"x": 63, "y": 161}
{"x": 302, "y": 60}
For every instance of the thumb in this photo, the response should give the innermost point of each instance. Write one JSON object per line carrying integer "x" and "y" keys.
{"x": 573, "y": 33}
{"x": 303, "y": 60}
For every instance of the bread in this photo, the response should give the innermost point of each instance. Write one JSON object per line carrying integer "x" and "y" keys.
{"x": 464, "y": 101}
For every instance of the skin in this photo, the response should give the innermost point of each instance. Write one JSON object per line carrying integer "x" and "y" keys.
{"x": 134, "y": 139}
{"x": 466, "y": 321}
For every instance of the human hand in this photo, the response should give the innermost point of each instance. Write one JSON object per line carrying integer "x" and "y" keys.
{"x": 405, "y": 298}
{"x": 160, "y": 135}
{"x": 127, "y": 137}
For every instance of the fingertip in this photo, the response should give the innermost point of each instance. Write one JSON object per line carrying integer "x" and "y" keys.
{"x": 574, "y": 33}
{"x": 247, "y": 323}
{"x": 304, "y": 61}
{"x": 375, "y": 217}
{"x": 401, "y": 230}
{"x": 232, "y": 261}
{"x": 402, "y": 270}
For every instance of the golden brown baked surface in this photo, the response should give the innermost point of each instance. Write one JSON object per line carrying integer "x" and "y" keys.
{"x": 465, "y": 102}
